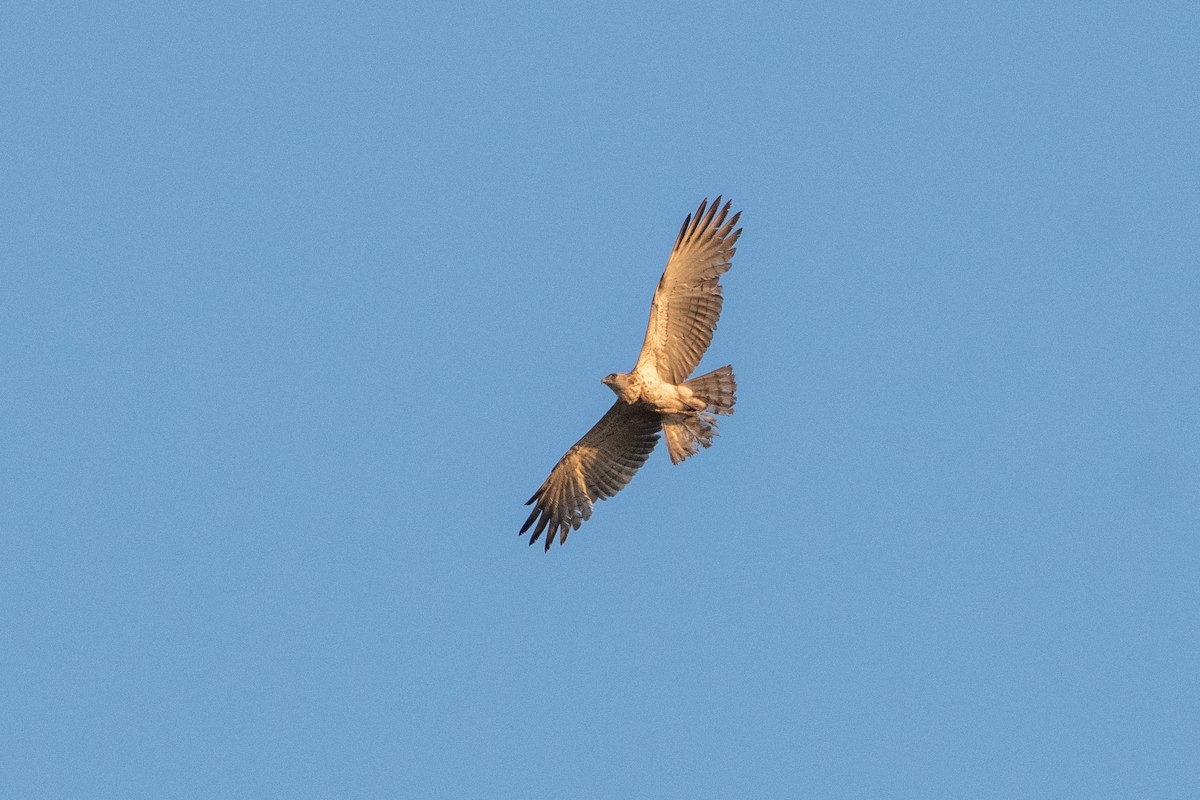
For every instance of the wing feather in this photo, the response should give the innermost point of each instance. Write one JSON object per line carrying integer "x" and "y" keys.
{"x": 687, "y": 302}
{"x": 595, "y": 468}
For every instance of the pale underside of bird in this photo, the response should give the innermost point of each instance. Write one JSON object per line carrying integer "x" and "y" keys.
{"x": 657, "y": 395}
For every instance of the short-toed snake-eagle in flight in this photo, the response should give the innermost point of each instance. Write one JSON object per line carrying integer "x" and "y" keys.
{"x": 657, "y": 395}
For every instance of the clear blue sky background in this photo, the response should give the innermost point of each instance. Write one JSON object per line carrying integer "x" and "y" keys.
{"x": 299, "y": 304}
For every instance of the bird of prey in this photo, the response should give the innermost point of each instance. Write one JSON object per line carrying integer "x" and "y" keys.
{"x": 657, "y": 395}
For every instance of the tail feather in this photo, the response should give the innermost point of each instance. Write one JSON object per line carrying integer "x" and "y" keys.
{"x": 685, "y": 434}
{"x": 717, "y": 389}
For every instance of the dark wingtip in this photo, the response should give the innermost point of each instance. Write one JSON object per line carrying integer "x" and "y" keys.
{"x": 536, "y": 532}
{"x": 682, "y": 231}
{"x": 529, "y": 521}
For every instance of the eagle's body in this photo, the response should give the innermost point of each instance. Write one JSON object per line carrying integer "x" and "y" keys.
{"x": 663, "y": 397}
{"x": 657, "y": 395}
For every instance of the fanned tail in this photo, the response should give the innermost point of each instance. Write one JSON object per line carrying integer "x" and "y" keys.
{"x": 685, "y": 434}
{"x": 716, "y": 389}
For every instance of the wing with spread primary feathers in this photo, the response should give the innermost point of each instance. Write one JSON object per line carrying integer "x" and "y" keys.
{"x": 595, "y": 468}
{"x": 688, "y": 299}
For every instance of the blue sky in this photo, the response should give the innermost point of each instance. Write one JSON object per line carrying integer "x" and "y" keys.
{"x": 298, "y": 304}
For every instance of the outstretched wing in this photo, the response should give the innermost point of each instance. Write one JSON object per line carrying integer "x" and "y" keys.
{"x": 595, "y": 468}
{"x": 688, "y": 299}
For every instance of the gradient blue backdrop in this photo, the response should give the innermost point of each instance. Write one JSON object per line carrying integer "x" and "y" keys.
{"x": 298, "y": 304}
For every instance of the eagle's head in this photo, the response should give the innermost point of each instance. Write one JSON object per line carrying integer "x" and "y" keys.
{"x": 621, "y": 384}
